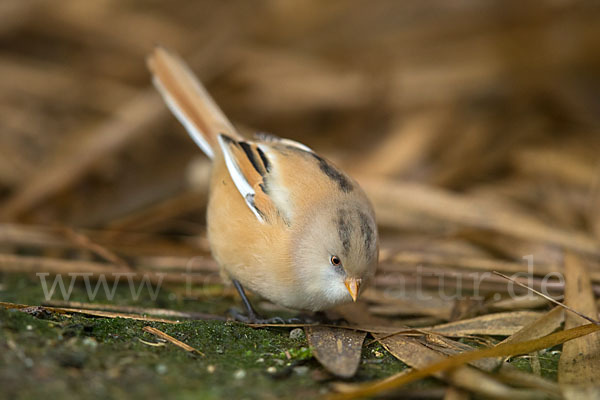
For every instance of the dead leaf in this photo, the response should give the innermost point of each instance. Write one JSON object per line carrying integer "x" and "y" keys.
{"x": 451, "y": 347}
{"x": 543, "y": 326}
{"x": 415, "y": 354}
{"x": 338, "y": 350}
{"x": 502, "y": 324}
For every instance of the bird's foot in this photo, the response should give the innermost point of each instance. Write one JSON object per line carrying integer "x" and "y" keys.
{"x": 254, "y": 318}
{"x": 320, "y": 317}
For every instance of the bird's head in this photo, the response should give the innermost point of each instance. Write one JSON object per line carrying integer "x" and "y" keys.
{"x": 336, "y": 251}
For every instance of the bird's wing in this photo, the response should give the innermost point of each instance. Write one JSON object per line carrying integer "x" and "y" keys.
{"x": 251, "y": 170}
{"x": 270, "y": 138}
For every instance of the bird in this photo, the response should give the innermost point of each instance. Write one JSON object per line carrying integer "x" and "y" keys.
{"x": 282, "y": 221}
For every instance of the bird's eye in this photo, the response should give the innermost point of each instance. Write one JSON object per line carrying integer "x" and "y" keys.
{"x": 335, "y": 261}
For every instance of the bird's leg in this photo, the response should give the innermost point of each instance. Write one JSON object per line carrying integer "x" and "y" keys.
{"x": 252, "y": 316}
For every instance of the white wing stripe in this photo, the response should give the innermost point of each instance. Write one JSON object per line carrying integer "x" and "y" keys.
{"x": 277, "y": 193}
{"x": 299, "y": 145}
{"x": 239, "y": 180}
{"x": 267, "y": 137}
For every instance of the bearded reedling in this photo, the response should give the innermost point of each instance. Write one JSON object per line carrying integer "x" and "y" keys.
{"x": 282, "y": 221}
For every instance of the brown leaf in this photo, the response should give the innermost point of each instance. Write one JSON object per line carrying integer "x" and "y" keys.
{"x": 409, "y": 350}
{"x": 580, "y": 360}
{"x": 543, "y": 326}
{"x": 451, "y": 347}
{"x": 492, "y": 324}
{"x": 338, "y": 350}
{"x": 415, "y": 354}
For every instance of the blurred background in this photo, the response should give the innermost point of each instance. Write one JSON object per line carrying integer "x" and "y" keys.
{"x": 456, "y": 116}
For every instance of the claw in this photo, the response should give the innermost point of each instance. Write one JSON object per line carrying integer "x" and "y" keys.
{"x": 256, "y": 319}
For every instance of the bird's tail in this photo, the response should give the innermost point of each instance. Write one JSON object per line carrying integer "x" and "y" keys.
{"x": 189, "y": 101}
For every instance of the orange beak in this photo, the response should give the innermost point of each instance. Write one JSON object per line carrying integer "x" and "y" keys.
{"x": 353, "y": 284}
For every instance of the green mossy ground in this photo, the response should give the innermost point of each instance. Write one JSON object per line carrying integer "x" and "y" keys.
{"x": 75, "y": 356}
{"x": 72, "y": 356}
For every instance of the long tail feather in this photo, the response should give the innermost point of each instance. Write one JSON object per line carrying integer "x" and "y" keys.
{"x": 189, "y": 101}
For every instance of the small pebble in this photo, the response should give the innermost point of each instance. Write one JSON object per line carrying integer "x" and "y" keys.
{"x": 278, "y": 361}
{"x": 260, "y": 360}
{"x": 211, "y": 369}
{"x": 90, "y": 342}
{"x": 29, "y": 327}
{"x": 297, "y": 333}
{"x": 161, "y": 369}
{"x": 271, "y": 370}
{"x": 301, "y": 370}
{"x": 239, "y": 374}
